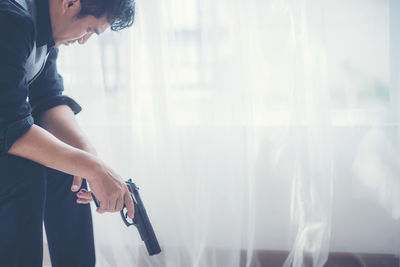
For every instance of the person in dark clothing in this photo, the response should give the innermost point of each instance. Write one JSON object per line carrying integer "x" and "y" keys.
{"x": 46, "y": 160}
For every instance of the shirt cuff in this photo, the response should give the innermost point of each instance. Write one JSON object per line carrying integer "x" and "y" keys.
{"x": 13, "y": 131}
{"x": 51, "y": 102}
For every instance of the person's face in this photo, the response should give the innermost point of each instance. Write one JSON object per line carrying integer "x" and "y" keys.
{"x": 81, "y": 30}
{"x": 74, "y": 29}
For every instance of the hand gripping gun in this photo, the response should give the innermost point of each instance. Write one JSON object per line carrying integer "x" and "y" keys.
{"x": 141, "y": 220}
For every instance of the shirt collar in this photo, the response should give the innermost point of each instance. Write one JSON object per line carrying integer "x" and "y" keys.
{"x": 44, "y": 32}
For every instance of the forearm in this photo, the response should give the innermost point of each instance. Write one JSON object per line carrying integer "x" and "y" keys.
{"x": 43, "y": 147}
{"x": 40, "y": 146}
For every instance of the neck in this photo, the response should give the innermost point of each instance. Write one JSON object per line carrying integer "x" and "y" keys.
{"x": 54, "y": 16}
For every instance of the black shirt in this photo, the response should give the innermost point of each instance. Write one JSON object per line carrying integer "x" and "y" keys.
{"x": 22, "y": 101}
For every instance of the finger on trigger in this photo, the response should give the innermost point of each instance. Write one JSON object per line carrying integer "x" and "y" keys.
{"x": 129, "y": 205}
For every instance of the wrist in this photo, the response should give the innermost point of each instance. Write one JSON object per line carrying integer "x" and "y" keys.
{"x": 95, "y": 167}
{"x": 86, "y": 165}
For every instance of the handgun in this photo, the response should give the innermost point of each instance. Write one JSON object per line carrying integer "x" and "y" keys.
{"x": 141, "y": 219}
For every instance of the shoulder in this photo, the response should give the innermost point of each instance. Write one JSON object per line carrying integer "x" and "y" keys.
{"x": 15, "y": 21}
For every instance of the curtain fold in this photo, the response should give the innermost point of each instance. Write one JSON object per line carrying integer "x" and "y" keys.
{"x": 248, "y": 126}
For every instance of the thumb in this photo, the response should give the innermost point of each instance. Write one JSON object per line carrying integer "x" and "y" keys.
{"x": 76, "y": 184}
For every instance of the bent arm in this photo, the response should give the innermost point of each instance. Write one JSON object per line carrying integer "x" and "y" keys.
{"x": 41, "y": 146}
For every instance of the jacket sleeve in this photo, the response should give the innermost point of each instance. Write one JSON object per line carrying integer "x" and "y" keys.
{"x": 16, "y": 42}
{"x": 46, "y": 91}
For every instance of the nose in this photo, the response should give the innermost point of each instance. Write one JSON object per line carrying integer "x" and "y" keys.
{"x": 84, "y": 38}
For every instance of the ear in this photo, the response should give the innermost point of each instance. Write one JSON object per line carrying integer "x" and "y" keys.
{"x": 70, "y": 5}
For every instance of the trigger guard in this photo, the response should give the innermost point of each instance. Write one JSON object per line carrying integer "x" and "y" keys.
{"x": 125, "y": 218}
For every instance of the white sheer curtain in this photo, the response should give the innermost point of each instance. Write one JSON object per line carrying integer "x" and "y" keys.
{"x": 257, "y": 125}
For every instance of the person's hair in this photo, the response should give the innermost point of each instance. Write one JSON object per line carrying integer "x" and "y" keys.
{"x": 120, "y": 13}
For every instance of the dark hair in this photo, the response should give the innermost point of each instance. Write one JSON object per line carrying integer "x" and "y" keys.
{"x": 120, "y": 13}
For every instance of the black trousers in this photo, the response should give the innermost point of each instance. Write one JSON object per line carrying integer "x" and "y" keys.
{"x": 31, "y": 194}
